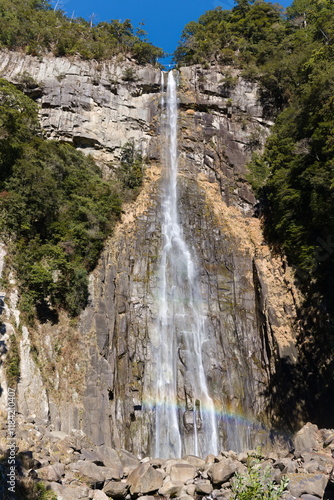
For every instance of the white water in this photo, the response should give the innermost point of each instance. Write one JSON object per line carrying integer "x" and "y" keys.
{"x": 192, "y": 428}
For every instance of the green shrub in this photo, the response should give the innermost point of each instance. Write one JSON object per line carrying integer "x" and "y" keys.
{"x": 56, "y": 209}
{"x": 131, "y": 168}
{"x": 12, "y": 363}
{"x": 256, "y": 484}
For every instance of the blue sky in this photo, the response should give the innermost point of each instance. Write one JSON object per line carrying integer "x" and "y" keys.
{"x": 164, "y": 22}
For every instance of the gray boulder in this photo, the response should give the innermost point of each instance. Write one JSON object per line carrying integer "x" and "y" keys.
{"x": 144, "y": 479}
{"x": 307, "y": 438}
{"x": 171, "y": 489}
{"x": 182, "y": 472}
{"x": 203, "y": 487}
{"x": 116, "y": 489}
{"x": 95, "y": 473}
{"x": 99, "y": 495}
{"x": 314, "y": 485}
{"x": 222, "y": 471}
{"x": 52, "y": 472}
{"x": 197, "y": 462}
{"x": 70, "y": 492}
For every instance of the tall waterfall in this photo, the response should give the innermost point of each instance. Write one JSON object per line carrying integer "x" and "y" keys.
{"x": 189, "y": 427}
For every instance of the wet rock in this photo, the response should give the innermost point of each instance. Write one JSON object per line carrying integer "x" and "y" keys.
{"x": 88, "y": 104}
{"x": 144, "y": 479}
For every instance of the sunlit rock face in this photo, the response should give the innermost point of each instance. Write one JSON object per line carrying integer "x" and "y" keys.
{"x": 245, "y": 293}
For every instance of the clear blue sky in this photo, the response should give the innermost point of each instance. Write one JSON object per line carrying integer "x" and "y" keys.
{"x": 164, "y": 22}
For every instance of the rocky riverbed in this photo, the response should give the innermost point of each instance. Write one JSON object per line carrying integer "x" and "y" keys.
{"x": 71, "y": 468}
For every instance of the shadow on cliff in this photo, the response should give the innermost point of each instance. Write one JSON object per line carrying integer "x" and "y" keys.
{"x": 304, "y": 391}
{"x": 26, "y": 487}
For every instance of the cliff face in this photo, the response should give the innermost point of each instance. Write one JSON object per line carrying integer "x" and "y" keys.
{"x": 101, "y": 384}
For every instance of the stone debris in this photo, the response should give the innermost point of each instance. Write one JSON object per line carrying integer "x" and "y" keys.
{"x": 77, "y": 471}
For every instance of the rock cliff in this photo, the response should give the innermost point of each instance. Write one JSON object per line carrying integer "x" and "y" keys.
{"x": 100, "y": 384}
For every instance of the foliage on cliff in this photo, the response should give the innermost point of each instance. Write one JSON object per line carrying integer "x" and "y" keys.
{"x": 291, "y": 56}
{"x": 34, "y": 26}
{"x": 297, "y": 167}
{"x": 55, "y": 208}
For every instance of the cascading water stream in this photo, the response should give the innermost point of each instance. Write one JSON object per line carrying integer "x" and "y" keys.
{"x": 189, "y": 427}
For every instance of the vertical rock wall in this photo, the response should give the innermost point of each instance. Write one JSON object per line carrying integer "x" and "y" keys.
{"x": 247, "y": 293}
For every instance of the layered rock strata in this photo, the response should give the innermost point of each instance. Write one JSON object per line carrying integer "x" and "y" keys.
{"x": 247, "y": 293}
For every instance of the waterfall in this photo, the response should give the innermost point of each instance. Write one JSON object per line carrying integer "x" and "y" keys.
{"x": 185, "y": 420}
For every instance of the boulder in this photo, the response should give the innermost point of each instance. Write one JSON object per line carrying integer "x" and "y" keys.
{"x": 173, "y": 461}
{"x": 311, "y": 467}
{"x": 52, "y": 472}
{"x": 307, "y": 438}
{"x": 144, "y": 479}
{"x": 171, "y": 489}
{"x": 222, "y": 471}
{"x": 286, "y": 465}
{"x": 92, "y": 456}
{"x": 109, "y": 456}
{"x": 69, "y": 492}
{"x": 95, "y": 473}
{"x": 191, "y": 490}
{"x": 182, "y": 472}
{"x": 197, "y": 462}
{"x": 99, "y": 495}
{"x": 203, "y": 487}
{"x": 313, "y": 485}
{"x": 329, "y": 440}
{"x": 243, "y": 457}
{"x": 309, "y": 497}
{"x": 116, "y": 489}
{"x": 58, "y": 435}
{"x": 129, "y": 461}
{"x": 222, "y": 494}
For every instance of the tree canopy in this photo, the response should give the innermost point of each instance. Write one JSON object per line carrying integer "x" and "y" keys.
{"x": 55, "y": 209}
{"x": 290, "y": 55}
{"x": 32, "y": 25}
